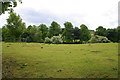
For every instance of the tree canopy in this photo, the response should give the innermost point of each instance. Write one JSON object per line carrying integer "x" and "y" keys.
{"x": 84, "y": 33}
{"x": 100, "y": 31}
{"x": 15, "y": 25}
{"x": 16, "y": 30}
{"x": 44, "y": 30}
{"x": 5, "y": 6}
{"x": 54, "y": 29}
{"x": 68, "y": 32}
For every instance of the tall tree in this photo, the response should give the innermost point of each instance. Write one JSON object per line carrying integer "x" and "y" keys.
{"x": 68, "y": 32}
{"x": 44, "y": 30}
{"x": 84, "y": 33}
{"x": 54, "y": 29}
{"x": 38, "y": 37}
{"x": 76, "y": 32}
{"x": 5, "y": 35}
{"x": 33, "y": 33}
{"x": 100, "y": 31}
{"x": 26, "y": 36}
{"x": 118, "y": 30}
{"x": 29, "y": 27}
{"x": 15, "y": 25}
{"x": 112, "y": 35}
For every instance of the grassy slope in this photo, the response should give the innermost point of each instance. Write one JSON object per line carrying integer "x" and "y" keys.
{"x": 60, "y": 61}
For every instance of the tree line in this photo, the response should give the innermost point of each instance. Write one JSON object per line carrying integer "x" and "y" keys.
{"x": 15, "y": 30}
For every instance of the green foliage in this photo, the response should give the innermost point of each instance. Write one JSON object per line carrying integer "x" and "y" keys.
{"x": 29, "y": 27}
{"x": 0, "y": 34}
{"x": 26, "y": 36}
{"x": 15, "y": 25}
{"x": 6, "y": 5}
{"x": 33, "y": 33}
{"x": 76, "y": 32}
{"x": 54, "y": 29}
{"x": 68, "y": 33}
{"x": 101, "y": 31}
{"x": 44, "y": 29}
{"x": 118, "y": 31}
{"x": 5, "y": 35}
{"x": 84, "y": 33}
{"x": 38, "y": 37}
{"x": 112, "y": 35}
{"x": 99, "y": 39}
{"x": 15, "y": 30}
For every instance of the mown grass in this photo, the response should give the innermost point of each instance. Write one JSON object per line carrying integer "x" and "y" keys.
{"x": 35, "y": 60}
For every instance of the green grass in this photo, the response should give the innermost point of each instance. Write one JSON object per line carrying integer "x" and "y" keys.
{"x": 29, "y": 60}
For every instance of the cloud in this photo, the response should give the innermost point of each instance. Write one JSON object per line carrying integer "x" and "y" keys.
{"x": 38, "y": 17}
{"x": 92, "y": 13}
{"x": 31, "y": 16}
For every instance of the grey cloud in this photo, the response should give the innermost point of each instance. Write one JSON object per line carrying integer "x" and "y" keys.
{"x": 38, "y": 17}
{"x": 35, "y": 17}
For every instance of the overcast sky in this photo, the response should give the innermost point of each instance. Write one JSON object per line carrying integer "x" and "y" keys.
{"x": 92, "y": 13}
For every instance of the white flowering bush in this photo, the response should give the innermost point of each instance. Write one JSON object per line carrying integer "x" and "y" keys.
{"x": 56, "y": 40}
{"x": 99, "y": 39}
{"x": 47, "y": 40}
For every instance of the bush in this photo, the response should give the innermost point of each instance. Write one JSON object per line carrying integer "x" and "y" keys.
{"x": 99, "y": 39}
{"x": 47, "y": 40}
{"x": 56, "y": 40}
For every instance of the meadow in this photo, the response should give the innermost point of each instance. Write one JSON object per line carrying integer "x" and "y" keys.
{"x": 39, "y": 60}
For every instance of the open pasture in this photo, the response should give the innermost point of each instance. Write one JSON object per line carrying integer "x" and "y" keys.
{"x": 38, "y": 60}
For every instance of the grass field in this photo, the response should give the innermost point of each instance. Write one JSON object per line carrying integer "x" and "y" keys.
{"x": 35, "y": 60}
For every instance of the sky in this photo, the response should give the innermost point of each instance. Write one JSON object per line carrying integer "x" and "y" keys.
{"x": 92, "y": 13}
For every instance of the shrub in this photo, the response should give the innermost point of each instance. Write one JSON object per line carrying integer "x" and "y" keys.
{"x": 99, "y": 39}
{"x": 47, "y": 40}
{"x": 56, "y": 40}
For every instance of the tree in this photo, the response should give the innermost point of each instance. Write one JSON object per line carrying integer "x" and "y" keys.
{"x": 54, "y": 29}
{"x": 118, "y": 31}
{"x": 112, "y": 35}
{"x": 4, "y": 31}
{"x": 100, "y": 31}
{"x": 44, "y": 29}
{"x": 5, "y": 35}
{"x": 33, "y": 33}
{"x": 15, "y": 25}
{"x": 29, "y": 27}
{"x": 76, "y": 32}
{"x": 0, "y": 34}
{"x": 68, "y": 32}
{"x": 6, "y": 5}
{"x": 38, "y": 37}
{"x": 84, "y": 33}
{"x": 26, "y": 36}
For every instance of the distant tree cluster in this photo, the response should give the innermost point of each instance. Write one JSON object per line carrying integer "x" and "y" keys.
{"x": 112, "y": 34}
{"x": 15, "y": 31}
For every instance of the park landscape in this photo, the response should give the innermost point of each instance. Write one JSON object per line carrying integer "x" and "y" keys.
{"x": 57, "y": 52}
{"x": 29, "y": 60}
